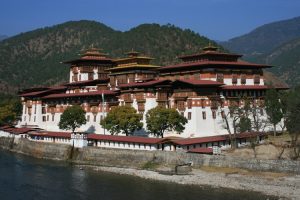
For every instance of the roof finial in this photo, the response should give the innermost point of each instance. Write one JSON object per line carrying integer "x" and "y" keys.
{"x": 132, "y": 53}
{"x": 210, "y": 47}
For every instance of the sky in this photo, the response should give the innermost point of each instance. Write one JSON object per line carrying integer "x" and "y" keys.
{"x": 215, "y": 19}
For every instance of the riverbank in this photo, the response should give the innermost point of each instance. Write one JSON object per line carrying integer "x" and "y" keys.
{"x": 284, "y": 186}
{"x": 272, "y": 177}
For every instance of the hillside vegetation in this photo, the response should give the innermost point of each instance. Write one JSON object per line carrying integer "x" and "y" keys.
{"x": 265, "y": 38}
{"x": 33, "y": 58}
{"x": 276, "y": 44}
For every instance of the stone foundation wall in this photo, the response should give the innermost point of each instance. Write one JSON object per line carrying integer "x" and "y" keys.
{"x": 140, "y": 159}
{"x": 37, "y": 149}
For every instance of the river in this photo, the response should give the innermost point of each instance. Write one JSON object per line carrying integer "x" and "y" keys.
{"x": 23, "y": 177}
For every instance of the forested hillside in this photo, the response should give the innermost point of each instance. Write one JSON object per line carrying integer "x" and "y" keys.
{"x": 33, "y": 58}
{"x": 265, "y": 38}
{"x": 276, "y": 44}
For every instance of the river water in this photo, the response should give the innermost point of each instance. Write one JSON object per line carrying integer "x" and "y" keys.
{"x": 23, "y": 177}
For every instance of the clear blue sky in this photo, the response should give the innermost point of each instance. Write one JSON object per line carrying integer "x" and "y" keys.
{"x": 216, "y": 19}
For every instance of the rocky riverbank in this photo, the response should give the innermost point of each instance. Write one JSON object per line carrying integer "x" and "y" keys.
{"x": 273, "y": 177}
{"x": 284, "y": 186}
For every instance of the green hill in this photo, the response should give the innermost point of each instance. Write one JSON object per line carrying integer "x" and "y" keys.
{"x": 277, "y": 44}
{"x": 286, "y": 58}
{"x": 33, "y": 58}
{"x": 265, "y": 38}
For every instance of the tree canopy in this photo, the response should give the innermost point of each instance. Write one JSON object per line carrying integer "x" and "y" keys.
{"x": 10, "y": 110}
{"x": 273, "y": 108}
{"x": 72, "y": 118}
{"x": 122, "y": 119}
{"x": 161, "y": 119}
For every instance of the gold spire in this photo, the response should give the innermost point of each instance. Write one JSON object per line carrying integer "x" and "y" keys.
{"x": 210, "y": 47}
{"x": 132, "y": 53}
{"x": 92, "y": 51}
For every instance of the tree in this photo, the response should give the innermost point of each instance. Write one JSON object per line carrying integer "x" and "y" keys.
{"x": 237, "y": 119}
{"x": 73, "y": 117}
{"x": 273, "y": 108}
{"x": 161, "y": 119}
{"x": 231, "y": 119}
{"x": 293, "y": 119}
{"x": 122, "y": 119}
{"x": 10, "y": 111}
{"x": 258, "y": 122}
{"x": 284, "y": 99}
{"x": 244, "y": 124}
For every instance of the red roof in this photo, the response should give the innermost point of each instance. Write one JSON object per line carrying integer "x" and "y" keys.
{"x": 144, "y": 84}
{"x": 16, "y": 131}
{"x": 200, "y": 140}
{"x": 5, "y": 127}
{"x": 94, "y": 93}
{"x": 88, "y": 82}
{"x": 216, "y": 63}
{"x": 43, "y": 92}
{"x": 35, "y": 89}
{"x": 33, "y": 93}
{"x": 250, "y": 134}
{"x": 205, "y": 53}
{"x": 132, "y": 139}
{"x": 245, "y": 87}
{"x": 200, "y": 82}
{"x": 99, "y": 59}
{"x": 51, "y": 134}
{"x": 201, "y": 150}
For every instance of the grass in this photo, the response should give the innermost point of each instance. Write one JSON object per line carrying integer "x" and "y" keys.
{"x": 228, "y": 171}
{"x": 279, "y": 140}
{"x": 150, "y": 165}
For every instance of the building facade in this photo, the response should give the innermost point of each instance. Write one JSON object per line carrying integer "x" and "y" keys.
{"x": 201, "y": 87}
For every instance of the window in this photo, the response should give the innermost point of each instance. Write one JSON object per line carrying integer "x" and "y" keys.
{"x": 90, "y": 76}
{"x": 203, "y": 103}
{"x": 189, "y": 115}
{"x": 189, "y": 104}
{"x": 204, "y": 115}
{"x": 44, "y": 118}
{"x": 234, "y": 79}
{"x": 95, "y": 118}
{"x": 214, "y": 114}
{"x": 47, "y": 117}
{"x": 243, "y": 79}
{"x": 43, "y": 110}
{"x": 88, "y": 118}
{"x": 196, "y": 76}
{"x": 256, "y": 79}
{"x": 34, "y": 118}
{"x": 53, "y": 117}
{"x": 220, "y": 78}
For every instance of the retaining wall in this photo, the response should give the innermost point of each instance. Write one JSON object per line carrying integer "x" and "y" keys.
{"x": 139, "y": 159}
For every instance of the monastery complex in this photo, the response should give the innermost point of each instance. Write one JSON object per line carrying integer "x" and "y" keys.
{"x": 200, "y": 87}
